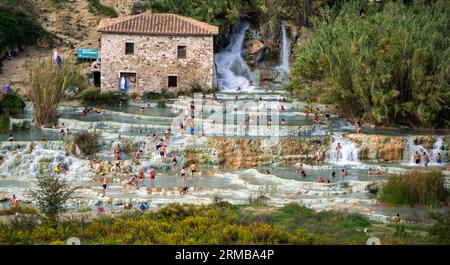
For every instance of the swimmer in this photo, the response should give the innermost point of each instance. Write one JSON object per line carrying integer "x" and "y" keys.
{"x": 11, "y": 138}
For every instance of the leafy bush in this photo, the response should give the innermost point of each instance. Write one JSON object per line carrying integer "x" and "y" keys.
{"x": 12, "y": 104}
{"x": 425, "y": 187}
{"x": 196, "y": 88}
{"x": 4, "y": 123}
{"x": 162, "y": 103}
{"x": 87, "y": 142}
{"x": 18, "y": 209}
{"x": 441, "y": 229}
{"x": 383, "y": 66}
{"x": 96, "y": 7}
{"x": 177, "y": 224}
{"x": 94, "y": 97}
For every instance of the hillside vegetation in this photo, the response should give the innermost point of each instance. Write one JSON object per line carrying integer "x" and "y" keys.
{"x": 384, "y": 64}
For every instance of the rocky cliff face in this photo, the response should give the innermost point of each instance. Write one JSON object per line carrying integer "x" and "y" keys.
{"x": 379, "y": 148}
{"x": 248, "y": 153}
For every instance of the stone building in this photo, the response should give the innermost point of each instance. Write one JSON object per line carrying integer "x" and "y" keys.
{"x": 155, "y": 51}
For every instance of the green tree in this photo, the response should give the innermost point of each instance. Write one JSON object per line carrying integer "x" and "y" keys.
{"x": 51, "y": 195}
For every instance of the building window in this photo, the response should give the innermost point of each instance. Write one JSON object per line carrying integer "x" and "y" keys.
{"x": 181, "y": 52}
{"x": 172, "y": 81}
{"x": 129, "y": 48}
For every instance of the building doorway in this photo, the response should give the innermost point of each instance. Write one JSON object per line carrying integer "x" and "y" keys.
{"x": 127, "y": 81}
{"x": 96, "y": 76}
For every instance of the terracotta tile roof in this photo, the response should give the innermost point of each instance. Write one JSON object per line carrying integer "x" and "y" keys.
{"x": 157, "y": 24}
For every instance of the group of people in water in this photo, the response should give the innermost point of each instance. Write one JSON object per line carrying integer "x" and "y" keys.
{"x": 300, "y": 169}
{"x": 161, "y": 151}
{"x": 418, "y": 158}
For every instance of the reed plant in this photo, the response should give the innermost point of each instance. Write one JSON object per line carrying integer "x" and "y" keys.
{"x": 415, "y": 187}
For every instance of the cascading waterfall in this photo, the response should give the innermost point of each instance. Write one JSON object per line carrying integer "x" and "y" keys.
{"x": 437, "y": 148}
{"x": 232, "y": 71}
{"x": 411, "y": 149}
{"x": 348, "y": 153}
{"x": 285, "y": 50}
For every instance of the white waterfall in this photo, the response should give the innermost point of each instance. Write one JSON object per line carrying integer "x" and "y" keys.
{"x": 411, "y": 149}
{"x": 232, "y": 70}
{"x": 348, "y": 153}
{"x": 285, "y": 47}
{"x": 437, "y": 148}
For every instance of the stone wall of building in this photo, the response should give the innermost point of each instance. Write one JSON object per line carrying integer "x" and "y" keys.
{"x": 154, "y": 59}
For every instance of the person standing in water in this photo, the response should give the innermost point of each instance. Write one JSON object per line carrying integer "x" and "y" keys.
{"x": 162, "y": 153}
{"x": 358, "y": 126}
{"x": 152, "y": 176}
{"x": 174, "y": 162}
{"x": 117, "y": 151}
{"x": 105, "y": 185}
{"x": 438, "y": 158}
{"x": 167, "y": 135}
{"x": 193, "y": 169}
{"x": 338, "y": 150}
{"x": 183, "y": 175}
{"x": 426, "y": 159}
{"x": 417, "y": 157}
{"x": 327, "y": 112}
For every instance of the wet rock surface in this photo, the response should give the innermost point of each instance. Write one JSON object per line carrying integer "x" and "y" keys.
{"x": 379, "y": 148}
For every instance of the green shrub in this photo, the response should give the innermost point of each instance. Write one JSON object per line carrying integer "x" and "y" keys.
{"x": 12, "y": 104}
{"x": 208, "y": 224}
{"x": 424, "y": 187}
{"x": 96, "y": 7}
{"x": 151, "y": 95}
{"x": 94, "y": 97}
{"x": 441, "y": 229}
{"x": 260, "y": 200}
{"x": 18, "y": 209}
{"x": 196, "y": 88}
{"x": 162, "y": 103}
{"x": 87, "y": 142}
{"x": 4, "y": 123}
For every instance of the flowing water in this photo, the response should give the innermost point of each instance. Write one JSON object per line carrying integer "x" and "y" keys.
{"x": 232, "y": 71}
{"x": 284, "y": 50}
{"x": 236, "y": 116}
